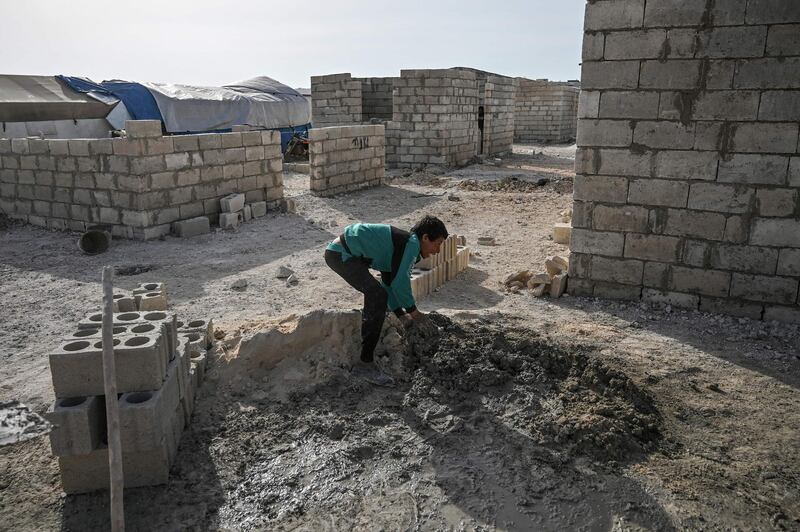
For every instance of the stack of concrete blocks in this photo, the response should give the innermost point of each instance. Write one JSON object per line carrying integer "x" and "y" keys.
{"x": 145, "y": 297}
{"x": 234, "y": 210}
{"x": 141, "y": 184}
{"x": 335, "y": 100}
{"x": 431, "y": 273}
{"x": 348, "y": 158}
{"x": 435, "y": 119}
{"x": 159, "y": 365}
{"x": 688, "y": 164}
{"x": 545, "y": 111}
{"x": 376, "y": 99}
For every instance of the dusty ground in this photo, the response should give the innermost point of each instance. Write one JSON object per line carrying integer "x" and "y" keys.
{"x": 534, "y": 414}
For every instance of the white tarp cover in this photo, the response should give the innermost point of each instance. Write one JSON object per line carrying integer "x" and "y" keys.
{"x": 260, "y": 101}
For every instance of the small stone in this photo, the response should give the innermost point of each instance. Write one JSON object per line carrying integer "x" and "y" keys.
{"x": 542, "y": 181}
{"x": 486, "y": 241}
{"x": 284, "y": 272}
{"x": 555, "y": 265}
{"x": 292, "y": 280}
{"x": 562, "y": 233}
{"x": 239, "y": 285}
{"x": 453, "y": 197}
{"x": 539, "y": 290}
{"x": 521, "y": 276}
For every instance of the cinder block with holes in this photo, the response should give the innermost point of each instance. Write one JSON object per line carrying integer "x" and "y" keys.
{"x": 152, "y": 301}
{"x": 78, "y": 424}
{"x": 77, "y": 365}
{"x": 145, "y": 416}
{"x": 205, "y": 327}
{"x": 198, "y": 360}
{"x": 124, "y": 303}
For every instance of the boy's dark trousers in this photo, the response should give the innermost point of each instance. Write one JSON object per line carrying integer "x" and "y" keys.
{"x": 356, "y": 272}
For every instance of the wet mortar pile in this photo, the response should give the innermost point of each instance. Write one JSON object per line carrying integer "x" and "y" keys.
{"x": 495, "y": 427}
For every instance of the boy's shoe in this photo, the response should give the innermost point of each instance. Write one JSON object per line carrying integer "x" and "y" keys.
{"x": 370, "y": 373}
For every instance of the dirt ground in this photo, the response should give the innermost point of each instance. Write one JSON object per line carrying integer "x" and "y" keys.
{"x": 533, "y": 414}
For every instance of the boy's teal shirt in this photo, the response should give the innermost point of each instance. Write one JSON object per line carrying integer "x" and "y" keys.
{"x": 374, "y": 241}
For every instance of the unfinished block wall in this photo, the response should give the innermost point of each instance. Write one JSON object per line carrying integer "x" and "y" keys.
{"x": 688, "y": 156}
{"x": 545, "y": 111}
{"x": 435, "y": 119}
{"x": 376, "y": 98}
{"x": 139, "y": 185}
{"x": 343, "y": 159}
{"x": 336, "y": 100}
{"x": 498, "y": 102}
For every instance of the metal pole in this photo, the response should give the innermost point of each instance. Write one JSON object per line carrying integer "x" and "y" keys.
{"x": 112, "y": 407}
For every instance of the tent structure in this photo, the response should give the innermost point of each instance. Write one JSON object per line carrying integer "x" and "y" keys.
{"x": 260, "y": 102}
{"x": 46, "y": 106}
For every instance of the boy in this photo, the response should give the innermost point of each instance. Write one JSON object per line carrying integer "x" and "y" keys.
{"x": 393, "y": 252}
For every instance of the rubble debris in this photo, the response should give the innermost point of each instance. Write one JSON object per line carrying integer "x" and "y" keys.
{"x": 284, "y": 272}
{"x": 552, "y": 281}
{"x": 18, "y": 423}
{"x": 292, "y": 280}
{"x": 240, "y": 285}
{"x": 486, "y": 241}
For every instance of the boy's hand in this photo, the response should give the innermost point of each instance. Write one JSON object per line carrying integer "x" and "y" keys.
{"x": 407, "y": 321}
{"x": 417, "y": 315}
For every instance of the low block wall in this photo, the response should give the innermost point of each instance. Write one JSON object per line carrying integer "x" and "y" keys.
{"x": 346, "y": 158}
{"x": 335, "y": 100}
{"x": 139, "y": 185}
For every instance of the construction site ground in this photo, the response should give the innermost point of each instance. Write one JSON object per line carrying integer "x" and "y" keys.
{"x": 535, "y": 414}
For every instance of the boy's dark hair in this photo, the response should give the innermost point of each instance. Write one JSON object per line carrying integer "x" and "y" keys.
{"x": 431, "y": 226}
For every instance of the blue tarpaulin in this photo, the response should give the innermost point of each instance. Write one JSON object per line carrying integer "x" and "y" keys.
{"x": 137, "y": 98}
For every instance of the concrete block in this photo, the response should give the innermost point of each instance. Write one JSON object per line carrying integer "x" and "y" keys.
{"x": 626, "y": 218}
{"x": 754, "y": 169}
{"x": 721, "y": 198}
{"x": 203, "y": 326}
{"x": 658, "y": 192}
{"x": 652, "y": 247}
{"x": 784, "y": 314}
{"x": 558, "y": 285}
{"x": 610, "y": 75}
{"x": 137, "y": 129}
{"x": 772, "y": 12}
{"x": 776, "y": 232}
{"x": 78, "y": 424}
{"x": 782, "y": 40}
{"x": 610, "y": 133}
{"x": 145, "y": 288}
{"x": 620, "y": 271}
{"x": 259, "y": 209}
{"x": 192, "y": 227}
{"x": 789, "y": 262}
{"x": 732, "y": 42}
{"x": 674, "y": 299}
{"x": 768, "y": 73}
{"x": 600, "y": 189}
{"x": 764, "y": 288}
{"x": 152, "y": 301}
{"x": 562, "y": 233}
{"x": 700, "y": 281}
{"x": 731, "y": 307}
{"x": 247, "y": 213}
{"x": 614, "y": 14}
{"x": 87, "y": 473}
{"x": 232, "y": 203}
{"x": 706, "y": 225}
{"x": 76, "y": 366}
{"x": 595, "y": 242}
{"x": 230, "y": 220}
{"x": 124, "y": 303}
{"x": 198, "y": 360}
{"x": 145, "y": 417}
{"x": 629, "y": 105}
{"x": 766, "y": 137}
{"x": 777, "y": 202}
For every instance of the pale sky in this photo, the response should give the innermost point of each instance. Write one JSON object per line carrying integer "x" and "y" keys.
{"x": 202, "y": 42}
